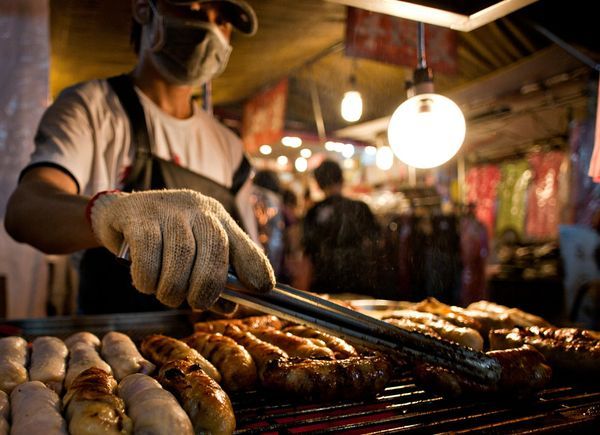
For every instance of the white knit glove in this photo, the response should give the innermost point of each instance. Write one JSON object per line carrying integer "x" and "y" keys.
{"x": 180, "y": 244}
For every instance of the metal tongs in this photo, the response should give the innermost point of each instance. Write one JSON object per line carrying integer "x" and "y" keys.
{"x": 305, "y": 308}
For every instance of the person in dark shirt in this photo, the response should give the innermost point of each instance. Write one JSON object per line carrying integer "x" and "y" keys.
{"x": 339, "y": 238}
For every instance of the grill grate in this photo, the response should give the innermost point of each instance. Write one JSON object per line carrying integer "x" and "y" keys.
{"x": 405, "y": 407}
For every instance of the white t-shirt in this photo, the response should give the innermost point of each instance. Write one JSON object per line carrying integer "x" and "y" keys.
{"x": 87, "y": 133}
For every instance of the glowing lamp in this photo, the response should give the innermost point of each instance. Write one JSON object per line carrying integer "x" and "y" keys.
{"x": 426, "y": 130}
{"x": 352, "y": 106}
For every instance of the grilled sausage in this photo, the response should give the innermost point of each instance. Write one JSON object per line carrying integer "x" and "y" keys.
{"x": 261, "y": 351}
{"x": 153, "y": 409}
{"x": 411, "y": 325}
{"x": 293, "y": 345}
{"x": 83, "y": 354}
{"x": 13, "y": 362}
{"x": 340, "y": 348}
{"x": 235, "y": 364}
{"x": 569, "y": 350}
{"x": 465, "y": 336}
{"x": 122, "y": 355}
{"x": 522, "y": 368}
{"x": 485, "y": 320}
{"x": 517, "y": 316}
{"x": 253, "y": 322}
{"x": 328, "y": 379}
{"x": 49, "y": 362}
{"x": 462, "y": 320}
{"x": 161, "y": 349}
{"x": 202, "y": 398}
{"x": 523, "y": 371}
{"x": 92, "y": 407}
{"x": 35, "y": 409}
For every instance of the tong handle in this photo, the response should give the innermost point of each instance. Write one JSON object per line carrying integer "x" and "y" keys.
{"x": 302, "y": 307}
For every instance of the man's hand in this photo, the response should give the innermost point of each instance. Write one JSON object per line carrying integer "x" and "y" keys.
{"x": 180, "y": 244}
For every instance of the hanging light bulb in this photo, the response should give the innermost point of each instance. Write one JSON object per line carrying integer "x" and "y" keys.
{"x": 352, "y": 104}
{"x": 427, "y": 129}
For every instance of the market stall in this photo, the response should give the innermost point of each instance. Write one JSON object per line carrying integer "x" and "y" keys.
{"x": 441, "y": 281}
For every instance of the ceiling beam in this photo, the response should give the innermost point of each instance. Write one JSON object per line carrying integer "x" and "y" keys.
{"x": 411, "y": 10}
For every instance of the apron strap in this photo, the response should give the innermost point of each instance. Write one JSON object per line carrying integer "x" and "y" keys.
{"x": 122, "y": 85}
{"x": 241, "y": 175}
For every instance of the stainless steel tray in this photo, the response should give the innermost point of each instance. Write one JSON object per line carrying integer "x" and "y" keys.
{"x": 176, "y": 323}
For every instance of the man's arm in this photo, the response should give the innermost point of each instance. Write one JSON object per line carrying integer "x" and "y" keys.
{"x": 46, "y": 212}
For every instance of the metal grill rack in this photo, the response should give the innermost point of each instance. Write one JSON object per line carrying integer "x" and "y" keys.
{"x": 406, "y": 407}
{"x": 568, "y": 406}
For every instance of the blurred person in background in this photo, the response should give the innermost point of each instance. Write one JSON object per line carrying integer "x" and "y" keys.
{"x": 292, "y": 237}
{"x": 269, "y": 211}
{"x": 339, "y": 239}
{"x": 474, "y": 251}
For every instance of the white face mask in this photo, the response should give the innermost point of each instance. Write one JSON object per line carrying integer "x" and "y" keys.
{"x": 188, "y": 52}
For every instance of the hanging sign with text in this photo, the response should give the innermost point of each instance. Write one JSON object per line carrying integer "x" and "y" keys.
{"x": 393, "y": 40}
{"x": 264, "y": 117}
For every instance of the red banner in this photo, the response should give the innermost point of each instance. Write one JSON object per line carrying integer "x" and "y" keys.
{"x": 264, "y": 117}
{"x": 390, "y": 39}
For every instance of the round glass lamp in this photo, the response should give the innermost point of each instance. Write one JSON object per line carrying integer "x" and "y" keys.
{"x": 426, "y": 130}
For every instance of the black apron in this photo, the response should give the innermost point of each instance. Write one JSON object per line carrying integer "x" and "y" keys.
{"x": 105, "y": 282}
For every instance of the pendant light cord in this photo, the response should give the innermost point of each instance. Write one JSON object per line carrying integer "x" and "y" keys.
{"x": 421, "y": 62}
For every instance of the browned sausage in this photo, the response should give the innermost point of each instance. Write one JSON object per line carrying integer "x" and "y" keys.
{"x": 569, "y": 350}
{"x": 293, "y": 345}
{"x": 328, "y": 379}
{"x": 261, "y": 351}
{"x": 202, "y": 398}
{"x": 340, "y": 348}
{"x": 161, "y": 349}
{"x": 465, "y": 336}
{"x": 92, "y": 407}
{"x": 524, "y": 371}
{"x": 244, "y": 324}
{"x": 235, "y": 364}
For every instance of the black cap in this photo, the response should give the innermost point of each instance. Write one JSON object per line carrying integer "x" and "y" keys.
{"x": 242, "y": 15}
